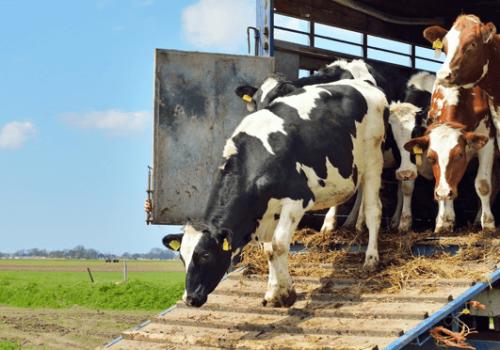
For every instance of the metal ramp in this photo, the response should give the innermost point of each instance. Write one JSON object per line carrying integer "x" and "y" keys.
{"x": 234, "y": 318}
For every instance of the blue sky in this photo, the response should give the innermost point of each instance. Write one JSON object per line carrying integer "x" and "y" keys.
{"x": 76, "y": 95}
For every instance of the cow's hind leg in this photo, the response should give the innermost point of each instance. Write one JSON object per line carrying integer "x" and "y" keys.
{"x": 330, "y": 223}
{"x": 372, "y": 206}
{"x": 354, "y": 214}
{"x": 280, "y": 290}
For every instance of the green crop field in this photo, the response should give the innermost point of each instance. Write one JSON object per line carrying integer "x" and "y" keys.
{"x": 146, "y": 291}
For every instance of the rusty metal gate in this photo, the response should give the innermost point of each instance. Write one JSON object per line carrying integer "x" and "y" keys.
{"x": 195, "y": 111}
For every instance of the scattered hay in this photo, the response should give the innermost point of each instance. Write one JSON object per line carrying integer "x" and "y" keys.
{"x": 398, "y": 264}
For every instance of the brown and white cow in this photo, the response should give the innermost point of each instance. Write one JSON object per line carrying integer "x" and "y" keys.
{"x": 472, "y": 58}
{"x": 461, "y": 131}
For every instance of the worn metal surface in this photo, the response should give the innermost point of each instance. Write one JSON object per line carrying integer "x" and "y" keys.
{"x": 490, "y": 298}
{"x": 195, "y": 111}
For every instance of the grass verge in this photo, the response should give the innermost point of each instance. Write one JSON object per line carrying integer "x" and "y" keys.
{"x": 7, "y": 345}
{"x": 144, "y": 291}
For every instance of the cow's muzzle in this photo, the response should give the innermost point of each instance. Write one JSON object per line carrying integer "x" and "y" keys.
{"x": 195, "y": 301}
{"x": 406, "y": 175}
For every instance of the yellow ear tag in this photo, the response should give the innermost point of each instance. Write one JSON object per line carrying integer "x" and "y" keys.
{"x": 175, "y": 245}
{"x": 247, "y": 98}
{"x": 225, "y": 245}
{"x": 438, "y": 46}
{"x": 418, "y": 153}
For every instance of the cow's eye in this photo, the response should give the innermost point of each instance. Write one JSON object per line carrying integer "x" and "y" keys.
{"x": 460, "y": 156}
{"x": 473, "y": 44}
{"x": 205, "y": 256}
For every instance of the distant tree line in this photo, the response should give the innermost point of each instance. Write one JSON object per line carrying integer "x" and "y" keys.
{"x": 80, "y": 252}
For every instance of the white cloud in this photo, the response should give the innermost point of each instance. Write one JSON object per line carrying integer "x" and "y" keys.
{"x": 14, "y": 134}
{"x": 118, "y": 123}
{"x": 218, "y": 23}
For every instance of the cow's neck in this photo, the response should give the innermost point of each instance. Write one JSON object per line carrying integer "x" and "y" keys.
{"x": 471, "y": 109}
{"x": 233, "y": 212}
{"x": 491, "y": 81}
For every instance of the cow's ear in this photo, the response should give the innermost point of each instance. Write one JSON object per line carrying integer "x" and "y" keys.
{"x": 489, "y": 30}
{"x": 417, "y": 145}
{"x": 173, "y": 242}
{"x": 476, "y": 140}
{"x": 224, "y": 237}
{"x": 435, "y": 32}
{"x": 245, "y": 90}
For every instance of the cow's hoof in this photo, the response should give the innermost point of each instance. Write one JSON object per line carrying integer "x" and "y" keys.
{"x": 371, "y": 263}
{"x": 282, "y": 300}
{"x": 327, "y": 230}
{"x": 489, "y": 232}
{"x": 289, "y": 299}
{"x": 404, "y": 229}
{"x": 443, "y": 229}
{"x": 272, "y": 302}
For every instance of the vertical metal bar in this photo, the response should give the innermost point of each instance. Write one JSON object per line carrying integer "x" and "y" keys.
{"x": 412, "y": 57}
{"x": 265, "y": 24}
{"x": 365, "y": 46}
{"x": 311, "y": 40}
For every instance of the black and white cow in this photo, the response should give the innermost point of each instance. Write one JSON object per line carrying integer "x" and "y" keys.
{"x": 309, "y": 150}
{"x": 276, "y": 86}
{"x": 409, "y": 120}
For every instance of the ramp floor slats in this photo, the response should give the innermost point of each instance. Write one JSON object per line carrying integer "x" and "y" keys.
{"x": 412, "y": 311}
{"x": 328, "y": 314}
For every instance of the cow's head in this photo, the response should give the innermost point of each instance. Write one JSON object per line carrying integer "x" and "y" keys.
{"x": 446, "y": 151}
{"x": 273, "y": 87}
{"x": 467, "y": 46}
{"x": 206, "y": 253}
{"x": 406, "y": 123}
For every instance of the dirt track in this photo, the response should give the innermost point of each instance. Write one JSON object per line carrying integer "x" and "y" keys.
{"x": 105, "y": 268}
{"x": 74, "y": 328}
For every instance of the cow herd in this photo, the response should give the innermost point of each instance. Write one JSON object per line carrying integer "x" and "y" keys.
{"x": 313, "y": 143}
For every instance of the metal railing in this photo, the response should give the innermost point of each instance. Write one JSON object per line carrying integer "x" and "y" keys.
{"x": 412, "y": 56}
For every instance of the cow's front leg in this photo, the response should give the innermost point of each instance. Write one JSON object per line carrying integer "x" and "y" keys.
{"x": 330, "y": 223}
{"x": 446, "y": 217}
{"x": 399, "y": 207}
{"x": 406, "y": 220}
{"x": 280, "y": 290}
{"x": 483, "y": 186}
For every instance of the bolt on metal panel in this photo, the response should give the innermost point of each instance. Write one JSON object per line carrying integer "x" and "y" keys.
{"x": 195, "y": 112}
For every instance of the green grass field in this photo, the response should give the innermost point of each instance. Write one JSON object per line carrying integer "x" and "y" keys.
{"x": 142, "y": 291}
{"x": 89, "y": 263}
